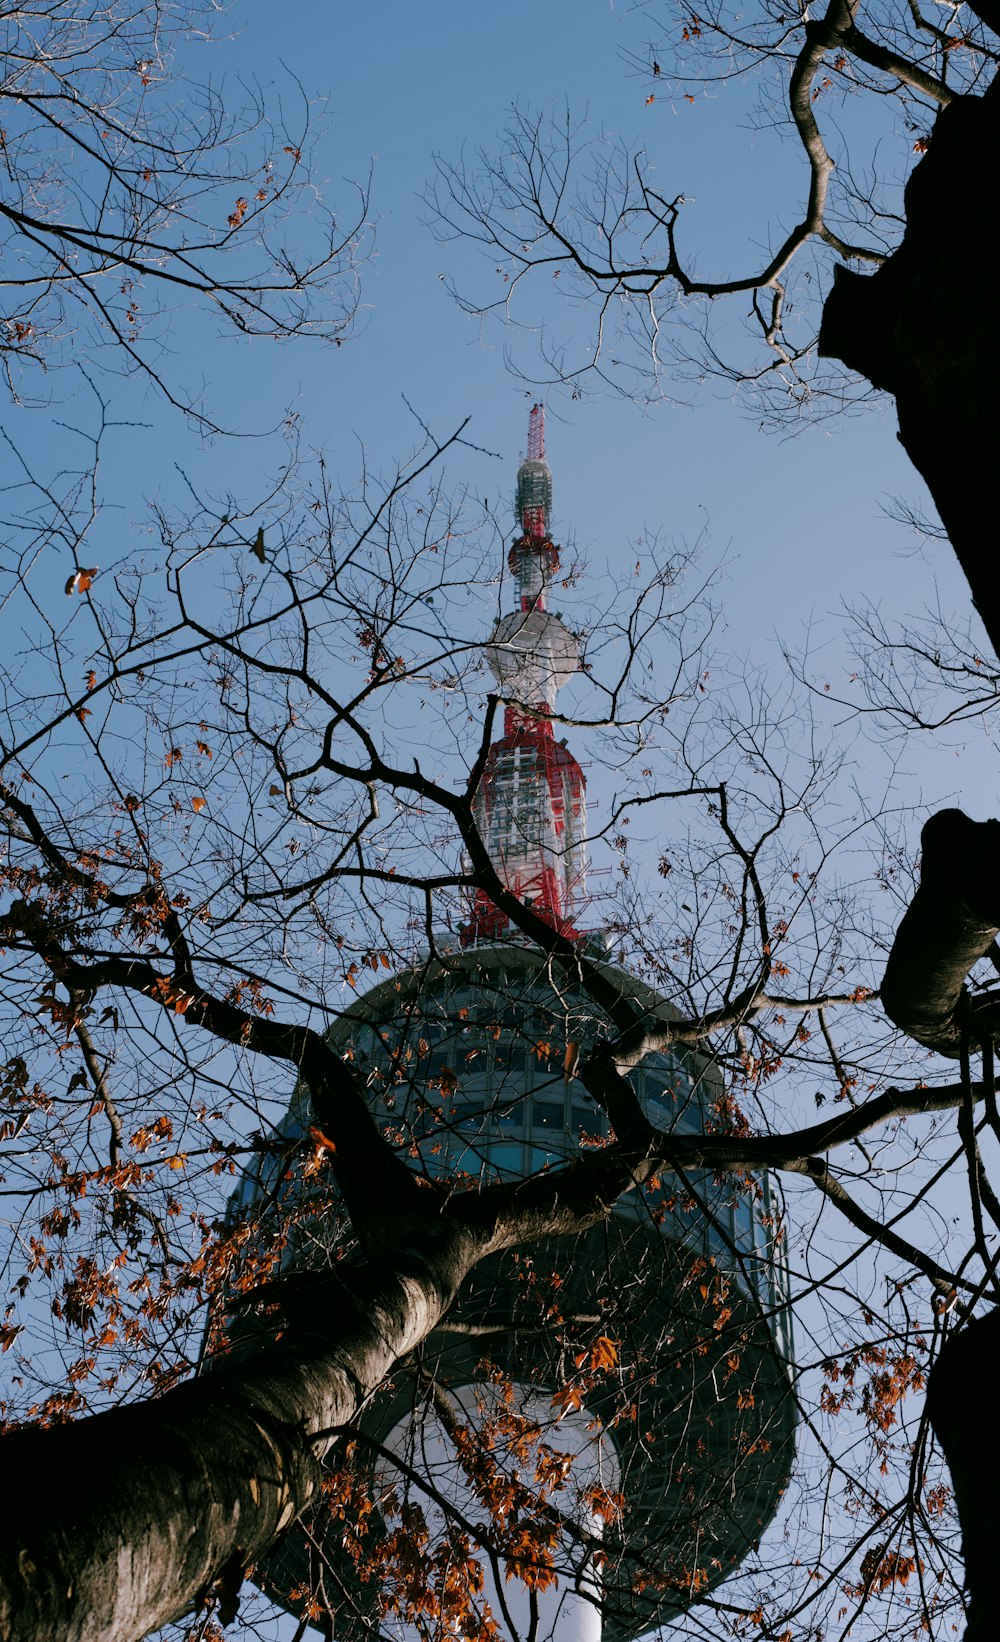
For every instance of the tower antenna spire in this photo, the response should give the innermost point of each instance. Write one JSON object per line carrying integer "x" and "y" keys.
{"x": 530, "y": 804}
{"x": 536, "y": 433}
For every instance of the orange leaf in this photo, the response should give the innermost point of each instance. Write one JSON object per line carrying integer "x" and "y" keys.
{"x": 82, "y": 581}
{"x": 570, "y": 1397}
{"x": 603, "y": 1353}
{"x": 198, "y": 804}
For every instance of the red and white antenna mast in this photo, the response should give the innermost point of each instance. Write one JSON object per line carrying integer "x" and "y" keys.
{"x": 530, "y": 803}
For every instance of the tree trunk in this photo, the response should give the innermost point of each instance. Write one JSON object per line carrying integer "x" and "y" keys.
{"x": 950, "y": 924}
{"x": 965, "y": 1414}
{"x": 926, "y": 327}
{"x": 117, "y": 1524}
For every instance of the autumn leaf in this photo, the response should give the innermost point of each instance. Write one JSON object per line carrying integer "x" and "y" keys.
{"x": 650, "y": 99}
{"x": 323, "y": 1141}
{"x": 258, "y": 547}
{"x": 198, "y": 804}
{"x": 604, "y": 1504}
{"x": 81, "y": 581}
{"x": 567, "y": 1400}
{"x": 602, "y": 1354}
{"x": 238, "y": 212}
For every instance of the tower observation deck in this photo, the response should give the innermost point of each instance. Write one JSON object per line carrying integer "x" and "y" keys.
{"x": 650, "y": 1355}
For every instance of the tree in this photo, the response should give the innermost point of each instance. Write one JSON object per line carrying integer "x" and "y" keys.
{"x": 132, "y": 189}
{"x": 227, "y": 792}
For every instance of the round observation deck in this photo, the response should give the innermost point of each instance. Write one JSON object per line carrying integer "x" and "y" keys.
{"x": 466, "y": 1058}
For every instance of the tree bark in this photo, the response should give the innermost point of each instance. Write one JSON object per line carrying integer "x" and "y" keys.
{"x": 950, "y": 924}
{"x": 117, "y": 1524}
{"x": 965, "y": 1414}
{"x": 926, "y": 327}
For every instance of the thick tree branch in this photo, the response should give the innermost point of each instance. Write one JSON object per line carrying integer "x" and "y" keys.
{"x": 99, "y": 1077}
{"x": 362, "y": 1162}
{"x": 175, "y": 1490}
{"x": 901, "y": 68}
{"x": 950, "y": 924}
{"x": 581, "y": 1193}
{"x": 893, "y": 327}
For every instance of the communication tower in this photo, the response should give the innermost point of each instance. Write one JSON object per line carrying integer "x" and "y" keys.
{"x": 653, "y": 1352}
{"x": 531, "y": 801}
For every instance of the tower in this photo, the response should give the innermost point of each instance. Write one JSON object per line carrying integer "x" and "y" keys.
{"x": 530, "y": 803}
{"x": 637, "y": 1377}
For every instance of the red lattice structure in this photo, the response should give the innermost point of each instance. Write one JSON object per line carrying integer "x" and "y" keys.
{"x": 530, "y": 804}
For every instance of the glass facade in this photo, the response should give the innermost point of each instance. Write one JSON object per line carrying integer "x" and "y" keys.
{"x": 469, "y": 1062}
{"x": 469, "y": 1066}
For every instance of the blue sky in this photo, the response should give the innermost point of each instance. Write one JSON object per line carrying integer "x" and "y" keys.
{"x": 799, "y": 521}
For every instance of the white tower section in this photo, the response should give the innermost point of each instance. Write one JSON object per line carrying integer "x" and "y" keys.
{"x": 567, "y": 1609}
